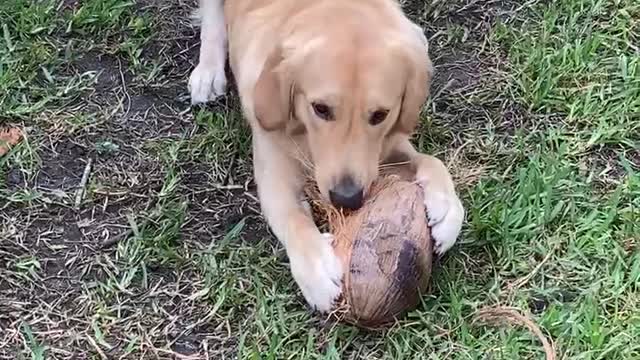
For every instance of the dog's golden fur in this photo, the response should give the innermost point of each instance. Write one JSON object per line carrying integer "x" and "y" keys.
{"x": 367, "y": 66}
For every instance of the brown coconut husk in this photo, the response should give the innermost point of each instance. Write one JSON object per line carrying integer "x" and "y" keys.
{"x": 385, "y": 248}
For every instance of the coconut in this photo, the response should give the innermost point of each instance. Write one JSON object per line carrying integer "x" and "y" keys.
{"x": 385, "y": 248}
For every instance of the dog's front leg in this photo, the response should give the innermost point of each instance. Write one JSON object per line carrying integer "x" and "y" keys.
{"x": 444, "y": 208}
{"x": 314, "y": 266}
{"x": 208, "y": 80}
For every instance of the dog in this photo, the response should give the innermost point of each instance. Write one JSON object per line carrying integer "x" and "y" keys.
{"x": 331, "y": 89}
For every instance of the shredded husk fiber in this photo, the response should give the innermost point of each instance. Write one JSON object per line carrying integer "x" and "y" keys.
{"x": 370, "y": 243}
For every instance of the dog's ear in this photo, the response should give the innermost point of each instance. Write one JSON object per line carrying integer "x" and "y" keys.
{"x": 419, "y": 71}
{"x": 272, "y": 93}
{"x": 276, "y": 89}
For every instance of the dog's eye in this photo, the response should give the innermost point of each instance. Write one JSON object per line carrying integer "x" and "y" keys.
{"x": 323, "y": 111}
{"x": 378, "y": 116}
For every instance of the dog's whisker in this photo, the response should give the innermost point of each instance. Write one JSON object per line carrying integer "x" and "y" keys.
{"x": 302, "y": 158}
{"x": 388, "y": 165}
{"x": 304, "y": 161}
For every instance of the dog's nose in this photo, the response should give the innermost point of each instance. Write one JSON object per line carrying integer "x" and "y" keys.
{"x": 347, "y": 194}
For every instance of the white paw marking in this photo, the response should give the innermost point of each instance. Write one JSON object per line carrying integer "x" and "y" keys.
{"x": 446, "y": 214}
{"x": 318, "y": 274}
{"x": 207, "y": 83}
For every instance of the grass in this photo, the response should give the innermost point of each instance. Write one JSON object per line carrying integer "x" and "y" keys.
{"x": 535, "y": 108}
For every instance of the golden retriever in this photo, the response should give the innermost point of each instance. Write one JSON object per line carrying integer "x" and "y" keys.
{"x": 331, "y": 89}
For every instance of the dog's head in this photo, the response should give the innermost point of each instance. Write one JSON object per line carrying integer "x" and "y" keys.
{"x": 345, "y": 91}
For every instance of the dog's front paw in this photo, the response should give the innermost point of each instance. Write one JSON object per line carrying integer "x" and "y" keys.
{"x": 207, "y": 83}
{"x": 445, "y": 213}
{"x": 318, "y": 272}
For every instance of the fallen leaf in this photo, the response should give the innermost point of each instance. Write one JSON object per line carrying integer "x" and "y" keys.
{"x": 8, "y": 138}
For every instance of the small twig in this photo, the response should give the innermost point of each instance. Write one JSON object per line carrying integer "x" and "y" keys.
{"x": 228, "y": 187}
{"x": 83, "y": 183}
{"x": 115, "y": 239}
{"x": 124, "y": 90}
{"x": 205, "y": 347}
{"x": 228, "y": 180}
{"x": 176, "y": 354}
{"x": 124, "y": 235}
{"x": 455, "y": 155}
{"x": 513, "y": 316}
{"x": 93, "y": 343}
{"x": 523, "y": 280}
{"x": 252, "y": 197}
{"x": 440, "y": 91}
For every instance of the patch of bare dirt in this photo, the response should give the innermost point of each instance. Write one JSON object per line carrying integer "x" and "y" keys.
{"x": 104, "y": 65}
